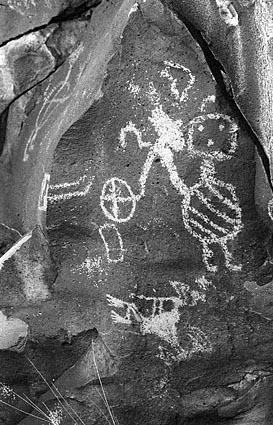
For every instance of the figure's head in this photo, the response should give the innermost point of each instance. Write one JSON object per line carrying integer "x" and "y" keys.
{"x": 212, "y": 136}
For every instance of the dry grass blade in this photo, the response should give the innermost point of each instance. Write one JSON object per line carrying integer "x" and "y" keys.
{"x": 55, "y": 394}
{"x": 51, "y": 418}
{"x": 25, "y": 400}
{"x": 102, "y": 389}
{"x": 35, "y": 406}
{"x": 22, "y": 411}
{"x": 65, "y": 401}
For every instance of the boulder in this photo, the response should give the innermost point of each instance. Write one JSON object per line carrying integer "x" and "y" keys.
{"x": 133, "y": 248}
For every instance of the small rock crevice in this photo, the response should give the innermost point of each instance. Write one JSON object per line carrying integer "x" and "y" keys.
{"x": 81, "y": 11}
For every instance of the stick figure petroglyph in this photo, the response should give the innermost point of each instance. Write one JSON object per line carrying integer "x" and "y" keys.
{"x": 219, "y": 220}
{"x": 170, "y": 139}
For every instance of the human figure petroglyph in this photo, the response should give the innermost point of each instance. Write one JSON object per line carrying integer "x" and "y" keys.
{"x": 212, "y": 224}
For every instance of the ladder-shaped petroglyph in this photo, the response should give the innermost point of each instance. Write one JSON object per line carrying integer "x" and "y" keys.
{"x": 164, "y": 317}
{"x": 210, "y": 207}
{"x": 68, "y": 190}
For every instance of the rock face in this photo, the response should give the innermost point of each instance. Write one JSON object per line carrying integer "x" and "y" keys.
{"x": 136, "y": 268}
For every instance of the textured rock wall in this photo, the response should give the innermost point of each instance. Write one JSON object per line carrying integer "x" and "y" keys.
{"x": 135, "y": 228}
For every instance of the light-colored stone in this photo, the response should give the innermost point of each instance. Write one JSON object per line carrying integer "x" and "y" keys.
{"x": 13, "y": 333}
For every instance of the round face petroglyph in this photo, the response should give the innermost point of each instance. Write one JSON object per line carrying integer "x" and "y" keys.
{"x": 212, "y": 136}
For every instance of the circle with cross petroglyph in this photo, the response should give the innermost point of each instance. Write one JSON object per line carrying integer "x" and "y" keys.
{"x": 117, "y": 200}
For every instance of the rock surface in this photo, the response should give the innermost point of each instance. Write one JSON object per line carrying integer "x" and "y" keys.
{"x": 134, "y": 257}
{"x": 21, "y": 16}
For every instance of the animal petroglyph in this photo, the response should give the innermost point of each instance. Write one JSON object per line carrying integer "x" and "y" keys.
{"x": 210, "y": 208}
{"x": 163, "y": 318}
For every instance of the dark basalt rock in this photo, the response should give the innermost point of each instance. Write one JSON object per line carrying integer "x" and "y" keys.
{"x": 21, "y": 16}
{"x": 132, "y": 245}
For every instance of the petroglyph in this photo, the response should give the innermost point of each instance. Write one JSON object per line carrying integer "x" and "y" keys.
{"x": 203, "y": 283}
{"x": 131, "y": 128}
{"x": 270, "y": 208}
{"x": 212, "y": 224}
{"x": 53, "y": 97}
{"x": 207, "y": 100}
{"x": 117, "y": 200}
{"x": 166, "y": 72}
{"x": 43, "y": 194}
{"x": 227, "y": 12}
{"x": 198, "y": 342}
{"x": 164, "y": 317}
{"x": 21, "y": 5}
{"x": 133, "y": 9}
{"x": 94, "y": 268}
{"x": 113, "y": 242}
{"x": 64, "y": 188}
{"x": 134, "y": 88}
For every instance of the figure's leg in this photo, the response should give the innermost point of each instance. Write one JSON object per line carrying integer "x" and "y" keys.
{"x": 207, "y": 257}
{"x": 113, "y": 242}
{"x": 145, "y": 172}
{"x": 199, "y": 340}
{"x": 168, "y": 162}
{"x": 228, "y": 259}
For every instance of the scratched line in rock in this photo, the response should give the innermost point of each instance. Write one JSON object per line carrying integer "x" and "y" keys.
{"x": 53, "y": 97}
